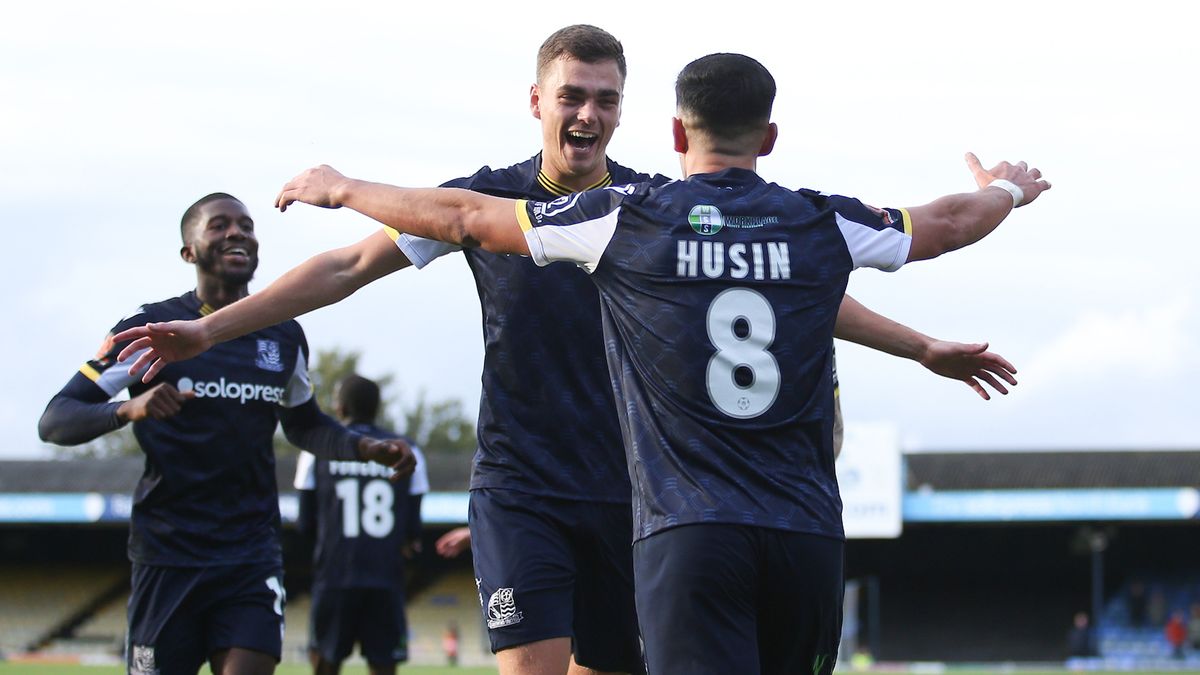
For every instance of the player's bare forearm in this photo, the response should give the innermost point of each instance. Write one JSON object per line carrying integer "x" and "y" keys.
{"x": 322, "y": 280}
{"x": 959, "y": 220}
{"x": 461, "y": 217}
{"x": 971, "y": 364}
{"x": 860, "y": 325}
{"x": 319, "y": 281}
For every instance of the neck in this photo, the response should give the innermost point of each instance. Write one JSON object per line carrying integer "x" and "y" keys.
{"x": 575, "y": 183}
{"x": 216, "y": 294}
{"x": 712, "y": 162}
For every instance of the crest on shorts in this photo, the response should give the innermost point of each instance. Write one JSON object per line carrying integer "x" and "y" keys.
{"x": 141, "y": 661}
{"x": 502, "y": 609}
{"x": 268, "y": 356}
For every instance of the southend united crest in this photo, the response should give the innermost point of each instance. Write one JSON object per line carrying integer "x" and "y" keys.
{"x": 502, "y": 609}
{"x": 268, "y": 357}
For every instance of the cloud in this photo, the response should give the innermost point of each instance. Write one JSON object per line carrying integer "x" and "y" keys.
{"x": 1145, "y": 343}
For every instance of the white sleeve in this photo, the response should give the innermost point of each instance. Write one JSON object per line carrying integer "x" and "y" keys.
{"x": 883, "y": 248}
{"x": 420, "y": 252}
{"x": 419, "y": 484}
{"x": 306, "y": 474}
{"x": 299, "y": 387}
{"x": 582, "y": 243}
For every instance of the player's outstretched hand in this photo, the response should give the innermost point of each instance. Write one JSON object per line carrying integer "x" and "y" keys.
{"x": 157, "y": 344}
{"x": 318, "y": 186}
{"x": 970, "y": 363}
{"x": 454, "y": 542}
{"x": 392, "y": 452}
{"x": 157, "y": 403}
{"x": 1029, "y": 180}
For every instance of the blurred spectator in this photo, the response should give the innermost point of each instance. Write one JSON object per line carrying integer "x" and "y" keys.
{"x": 1194, "y": 627}
{"x": 1137, "y": 604}
{"x": 1176, "y": 632}
{"x": 450, "y": 643}
{"x": 1156, "y": 610}
{"x": 1079, "y": 640}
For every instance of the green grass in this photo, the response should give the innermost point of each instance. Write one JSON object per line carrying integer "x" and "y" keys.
{"x": 299, "y": 669}
{"x": 285, "y": 669}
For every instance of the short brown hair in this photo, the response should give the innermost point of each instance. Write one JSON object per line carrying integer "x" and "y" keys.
{"x": 583, "y": 42}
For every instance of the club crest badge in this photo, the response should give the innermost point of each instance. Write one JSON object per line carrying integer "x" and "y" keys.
{"x": 268, "y": 356}
{"x": 502, "y": 609}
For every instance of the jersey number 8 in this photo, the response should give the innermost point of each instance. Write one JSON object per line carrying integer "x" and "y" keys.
{"x": 742, "y": 377}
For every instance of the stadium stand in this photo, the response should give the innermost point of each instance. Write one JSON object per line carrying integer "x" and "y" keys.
{"x": 984, "y": 585}
{"x": 37, "y": 603}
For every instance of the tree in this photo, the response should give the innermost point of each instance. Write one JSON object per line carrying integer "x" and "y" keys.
{"x": 435, "y": 426}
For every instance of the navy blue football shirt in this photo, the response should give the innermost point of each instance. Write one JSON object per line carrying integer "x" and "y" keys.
{"x": 719, "y": 297}
{"x": 208, "y": 493}
{"x": 362, "y": 516}
{"x": 547, "y": 422}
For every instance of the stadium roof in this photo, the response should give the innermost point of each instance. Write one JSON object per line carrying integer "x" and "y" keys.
{"x": 1051, "y": 470}
{"x": 120, "y": 475}
{"x": 936, "y": 471}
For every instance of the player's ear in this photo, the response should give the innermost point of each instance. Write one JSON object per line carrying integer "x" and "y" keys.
{"x": 188, "y": 255}
{"x": 535, "y": 99}
{"x": 680, "y": 134}
{"x": 768, "y": 143}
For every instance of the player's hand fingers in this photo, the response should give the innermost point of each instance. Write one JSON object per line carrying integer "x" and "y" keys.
{"x": 996, "y": 363}
{"x": 976, "y": 168}
{"x": 144, "y": 359}
{"x": 132, "y": 348}
{"x": 1035, "y": 174}
{"x": 978, "y": 388}
{"x": 1023, "y": 166}
{"x": 987, "y": 377}
{"x": 130, "y": 334}
{"x": 153, "y": 371}
{"x": 1002, "y": 373}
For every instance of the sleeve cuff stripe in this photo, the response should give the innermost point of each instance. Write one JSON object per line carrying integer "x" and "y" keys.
{"x": 523, "y": 215}
{"x": 89, "y": 372}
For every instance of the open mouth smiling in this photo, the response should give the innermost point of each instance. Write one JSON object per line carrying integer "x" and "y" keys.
{"x": 582, "y": 140}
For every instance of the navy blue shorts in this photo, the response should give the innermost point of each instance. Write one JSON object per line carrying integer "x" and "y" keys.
{"x": 180, "y": 616}
{"x": 372, "y": 617}
{"x": 549, "y": 568}
{"x": 724, "y": 599}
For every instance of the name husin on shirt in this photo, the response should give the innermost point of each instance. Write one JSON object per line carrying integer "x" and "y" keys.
{"x": 713, "y": 259}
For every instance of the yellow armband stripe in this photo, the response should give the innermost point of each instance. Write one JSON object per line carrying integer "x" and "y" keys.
{"x": 89, "y": 372}
{"x": 523, "y": 216}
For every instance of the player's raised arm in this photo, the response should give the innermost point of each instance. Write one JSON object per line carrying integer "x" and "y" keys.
{"x": 972, "y": 364}
{"x": 468, "y": 219}
{"x": 321, "y": 280}
{"x": 955, "y": 221}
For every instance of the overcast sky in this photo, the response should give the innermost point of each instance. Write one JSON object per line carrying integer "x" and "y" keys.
{"x": 115, "y": 117}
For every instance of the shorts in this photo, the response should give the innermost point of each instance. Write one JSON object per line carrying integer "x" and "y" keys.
{"x": 549, "y": 568}
{"x": 719, "y": 599}
{"x": 180, "y": 616}
{"x": 372, "y": 617}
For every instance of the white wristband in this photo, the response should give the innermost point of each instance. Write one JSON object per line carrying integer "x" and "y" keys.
{"x": 1011, "y": 188}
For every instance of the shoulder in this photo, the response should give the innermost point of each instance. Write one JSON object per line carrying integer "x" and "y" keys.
{"x": 623, "y": 175}
{"x": 163, "y": 310}
{"x": 488, "y": 179}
